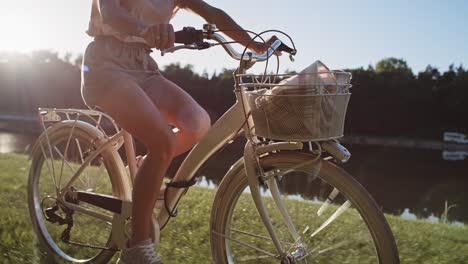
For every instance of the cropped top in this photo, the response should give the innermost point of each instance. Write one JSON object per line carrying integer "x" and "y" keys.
{"x": 148, "y": 11}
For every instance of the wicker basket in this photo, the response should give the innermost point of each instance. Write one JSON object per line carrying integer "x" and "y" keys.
{"x": 298, "y": 112}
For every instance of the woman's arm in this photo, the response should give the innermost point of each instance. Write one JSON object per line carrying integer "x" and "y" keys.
{"x": 223, "y": 22}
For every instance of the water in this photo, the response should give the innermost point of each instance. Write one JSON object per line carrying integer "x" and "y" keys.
{"x": 418, "y": 180}
{"x": 407, "y": 182}
{"x": 17, "y": 143}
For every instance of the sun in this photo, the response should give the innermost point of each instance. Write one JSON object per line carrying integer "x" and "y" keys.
{"x": 19, "y": 33}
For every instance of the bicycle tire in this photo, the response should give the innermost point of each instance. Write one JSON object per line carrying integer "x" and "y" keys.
{"x": 234, "y": 183}
{"x": 56, "y": 136}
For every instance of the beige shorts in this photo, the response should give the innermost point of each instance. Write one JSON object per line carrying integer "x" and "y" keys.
{"x": 107, "y": 60}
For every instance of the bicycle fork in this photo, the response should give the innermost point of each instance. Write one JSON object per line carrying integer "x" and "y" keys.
{"x": 253, "y": 171}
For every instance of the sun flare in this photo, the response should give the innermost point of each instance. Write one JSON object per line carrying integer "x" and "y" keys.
{"x": 19, "y": 33}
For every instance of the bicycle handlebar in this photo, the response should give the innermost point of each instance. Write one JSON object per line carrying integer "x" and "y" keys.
{"x": 194, "y": 39}
{"x": 248, "y": 55}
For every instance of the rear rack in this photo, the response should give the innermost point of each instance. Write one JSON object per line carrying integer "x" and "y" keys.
{"x": 102, "y": 121}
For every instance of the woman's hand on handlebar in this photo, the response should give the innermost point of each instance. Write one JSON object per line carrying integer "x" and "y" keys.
{"x": 159, "y": 36}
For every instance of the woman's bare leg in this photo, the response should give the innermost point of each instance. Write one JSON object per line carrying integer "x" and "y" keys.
{"x": 179, "y": 109}
{"x": 146, "y": 116}
{"x": 134, "y": 111}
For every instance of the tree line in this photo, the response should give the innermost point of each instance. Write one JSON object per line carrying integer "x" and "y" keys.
{"x": 388, "y": 98}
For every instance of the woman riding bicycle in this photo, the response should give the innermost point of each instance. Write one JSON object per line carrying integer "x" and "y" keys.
{"x": 121, "y": 78}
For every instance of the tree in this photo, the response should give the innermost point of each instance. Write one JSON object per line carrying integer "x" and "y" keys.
{"x": 78, "y": 60}
{"x": 393, "y": 65}
{"x": 44, "y": 56}
{"x": 429, "y": 74}
{"x": 67, "y": 57}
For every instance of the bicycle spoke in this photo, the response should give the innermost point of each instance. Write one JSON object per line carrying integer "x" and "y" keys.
{"x": 250, "y": 258}
{"x": 246, "y": 245}
{"x": 257, "y": 236}
{"x": 99, "y": 172}
{"x": 51, "y": 170}
{"x": 68, "y": 165}
{"x": 64, "y": 157}
{"x": 338, "y": 245}
{"x": 82, "y": 161}
{"x": 79, "y": 150}
{"x": 333, "y": 217}
{"x": 327, "y": 202}
{"x": 66, "y": 162}
{"x": 321, "y": 251}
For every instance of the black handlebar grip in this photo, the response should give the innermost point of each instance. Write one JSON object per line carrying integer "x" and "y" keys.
{"x": 188, "y": 35}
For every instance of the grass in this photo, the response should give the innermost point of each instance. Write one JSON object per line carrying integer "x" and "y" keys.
{"x": 186, "y": 239}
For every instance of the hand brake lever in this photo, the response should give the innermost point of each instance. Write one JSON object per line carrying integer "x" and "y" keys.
{"x": 292, "y": 52}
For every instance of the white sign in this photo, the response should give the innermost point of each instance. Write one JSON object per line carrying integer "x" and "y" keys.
{"x": 51, "y": 117}
{"x": 455, "y": 137}
{"x": 454, "y": 155}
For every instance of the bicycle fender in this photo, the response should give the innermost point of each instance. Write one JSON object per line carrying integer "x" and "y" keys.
{"x": 50, "y": 131}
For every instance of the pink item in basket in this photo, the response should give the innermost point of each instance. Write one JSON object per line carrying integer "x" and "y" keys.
{"x": 309, "y": 105}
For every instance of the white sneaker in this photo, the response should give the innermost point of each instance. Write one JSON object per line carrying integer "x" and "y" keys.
{"x": 141, "y": 253}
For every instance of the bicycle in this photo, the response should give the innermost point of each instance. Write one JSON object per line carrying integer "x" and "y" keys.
{"x": 79, "y": 188}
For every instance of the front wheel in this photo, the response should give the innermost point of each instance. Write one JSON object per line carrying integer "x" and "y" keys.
{"x": 329, "y": 216}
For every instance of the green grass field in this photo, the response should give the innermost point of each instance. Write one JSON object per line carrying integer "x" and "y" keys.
{"x": 186, "y": 239}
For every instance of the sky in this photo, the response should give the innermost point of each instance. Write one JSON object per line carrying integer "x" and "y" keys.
{"x": 341, "y": 33}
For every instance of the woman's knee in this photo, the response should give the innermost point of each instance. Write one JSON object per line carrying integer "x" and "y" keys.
{"x": 162, "y": 146}
{"x": 195, "y": 122}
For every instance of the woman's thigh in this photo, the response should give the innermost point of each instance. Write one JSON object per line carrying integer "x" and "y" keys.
{"x": 176, "y": 105}
{"x": 134, "y": 111}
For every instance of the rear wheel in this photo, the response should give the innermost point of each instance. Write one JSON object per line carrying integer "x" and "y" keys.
{"x": 69, "y": 234}
{"x": 334, "y": 220}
